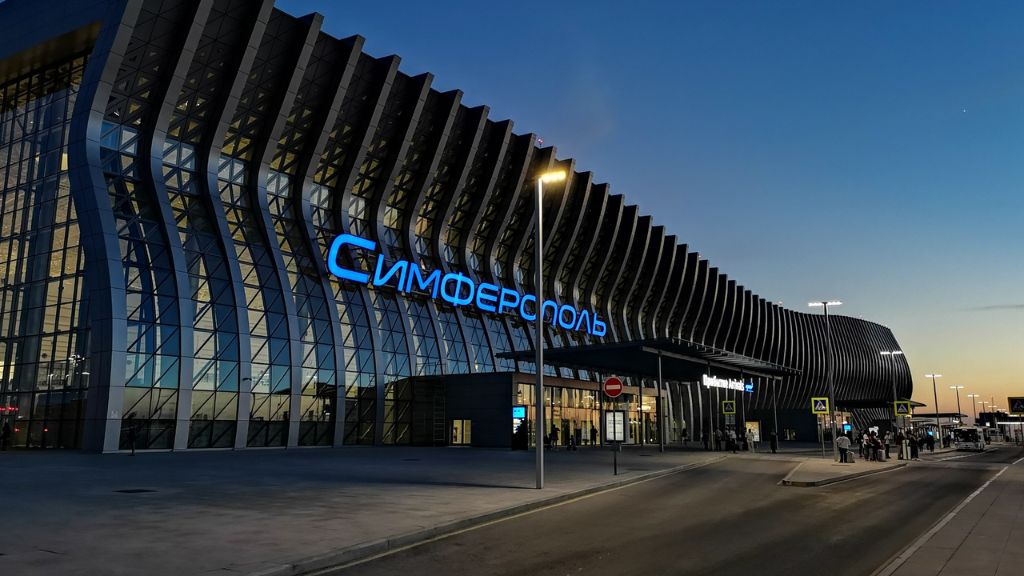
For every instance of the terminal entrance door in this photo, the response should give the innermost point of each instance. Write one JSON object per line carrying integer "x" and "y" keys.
{"x": 461, "y": 433}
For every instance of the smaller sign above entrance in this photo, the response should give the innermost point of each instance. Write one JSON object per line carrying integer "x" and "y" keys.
{"x": 819, "y": 405}
{"x": 612, "y": 386}
{"x": 519, "y": 412}
{"x": 902, "y": 407}
{"x": 728, "y": 406}
{"x": 727, "y": 383}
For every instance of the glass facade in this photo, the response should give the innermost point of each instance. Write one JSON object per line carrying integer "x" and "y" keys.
{"x": 44, "y": 330}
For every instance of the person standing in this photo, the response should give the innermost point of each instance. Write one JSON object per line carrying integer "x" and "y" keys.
{"x": 843, "y": 443}
{"x": 5, "y": 435}
{"x": 732, "y": 440}
{"x": 554, "y": 437}
{"x": 774, "y": 441}
{"x": 718, "y": 439}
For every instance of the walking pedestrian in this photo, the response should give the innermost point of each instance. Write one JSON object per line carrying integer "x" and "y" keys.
{"x": 888, "y": 443}
{"x": 718, "y": 439}
{"x": 914, "y": 448}
{"x": 732, "y": 440}
{"x": 133, "y": 431}
{"x": 773, "y": 439}
{"x": 593, "y": 435}
{"x": 843, "y": 443}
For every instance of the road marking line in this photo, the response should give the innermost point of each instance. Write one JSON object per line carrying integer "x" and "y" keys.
{"x": 897, "y": 562}
{"x": 332, "y": 569}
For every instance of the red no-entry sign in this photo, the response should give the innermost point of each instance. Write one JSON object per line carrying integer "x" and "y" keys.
{"x": 613, "y": 387}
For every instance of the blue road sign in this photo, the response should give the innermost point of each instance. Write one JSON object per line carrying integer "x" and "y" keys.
{"x": 1016, "y": 405}
{"x": 819, "y": 405}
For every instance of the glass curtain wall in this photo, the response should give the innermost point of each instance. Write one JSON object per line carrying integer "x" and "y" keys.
{"x": 44, "y": 368}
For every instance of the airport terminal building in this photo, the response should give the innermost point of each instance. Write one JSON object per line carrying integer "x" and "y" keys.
{"x": 220, "y": 227}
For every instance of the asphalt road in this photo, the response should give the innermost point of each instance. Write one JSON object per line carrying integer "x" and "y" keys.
{"x": 999, "y": 454}
{"x": 727, "y": 518}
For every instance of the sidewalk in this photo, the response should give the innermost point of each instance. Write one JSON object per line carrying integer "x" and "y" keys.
{"x": 981, "y": 537}
{"x": 261, "y": 511}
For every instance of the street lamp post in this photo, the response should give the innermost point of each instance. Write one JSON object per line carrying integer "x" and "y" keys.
{"x": 831, "y": 389}
{"x": 538, "y": 263}
{"x": 935, "y": 394}
{"x": 959, "y": 412}
{"x": 974, "y": 404}
{"x": 892, "y": 354}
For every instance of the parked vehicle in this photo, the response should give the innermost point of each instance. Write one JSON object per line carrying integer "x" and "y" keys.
{"x": 969, "y": 438}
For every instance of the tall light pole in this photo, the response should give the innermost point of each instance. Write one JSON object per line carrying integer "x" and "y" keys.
{"x": 538, "y": 264}
{"x": 831, "y": 389}
{"x": 892, "y": 354}
{"x": 935, "y": 394}
{"x": 959, "y": 413}
{"x": 974, "y": 402}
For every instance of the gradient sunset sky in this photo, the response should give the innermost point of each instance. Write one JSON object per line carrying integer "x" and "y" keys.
{"x": 871, "y": 152}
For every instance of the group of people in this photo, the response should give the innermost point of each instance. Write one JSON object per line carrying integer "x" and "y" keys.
{"x": 876, "y": 447}
{"x": 732, "y": 441}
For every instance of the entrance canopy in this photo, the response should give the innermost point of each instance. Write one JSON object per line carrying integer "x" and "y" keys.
{"x": 883, "y": 403}
{"x": 681, "y": 360}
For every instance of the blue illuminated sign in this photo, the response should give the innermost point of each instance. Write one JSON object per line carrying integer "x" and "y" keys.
{"x": 748, "y": 387}
{"x": 519, "y": 412}
{"x": 459, "y": 290}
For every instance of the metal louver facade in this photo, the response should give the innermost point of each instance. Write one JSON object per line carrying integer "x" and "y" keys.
{"x": 210, "y": 151}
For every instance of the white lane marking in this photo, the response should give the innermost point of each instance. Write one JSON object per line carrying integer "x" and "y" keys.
{"x": 895, "y": 564}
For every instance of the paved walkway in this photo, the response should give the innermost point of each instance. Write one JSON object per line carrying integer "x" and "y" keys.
{"x": 984, "y": 536}
{"x": 253, "y": 511}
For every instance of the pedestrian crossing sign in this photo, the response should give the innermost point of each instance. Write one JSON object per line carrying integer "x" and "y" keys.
{"x": 1016, "y": 405}
{"x": 902, "y": 407}
{"x": 819, "y": 405}
{"x": 728, "y": 406}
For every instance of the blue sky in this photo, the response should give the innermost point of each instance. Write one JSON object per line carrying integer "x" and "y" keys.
{"x": 865, "y": 151}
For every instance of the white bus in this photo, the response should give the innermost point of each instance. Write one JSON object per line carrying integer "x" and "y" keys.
{"x": 969, "y": 438}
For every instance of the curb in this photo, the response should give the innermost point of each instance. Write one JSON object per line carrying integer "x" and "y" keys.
{"x": 814, "y": 483}
{"x": 365, "y": 550}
